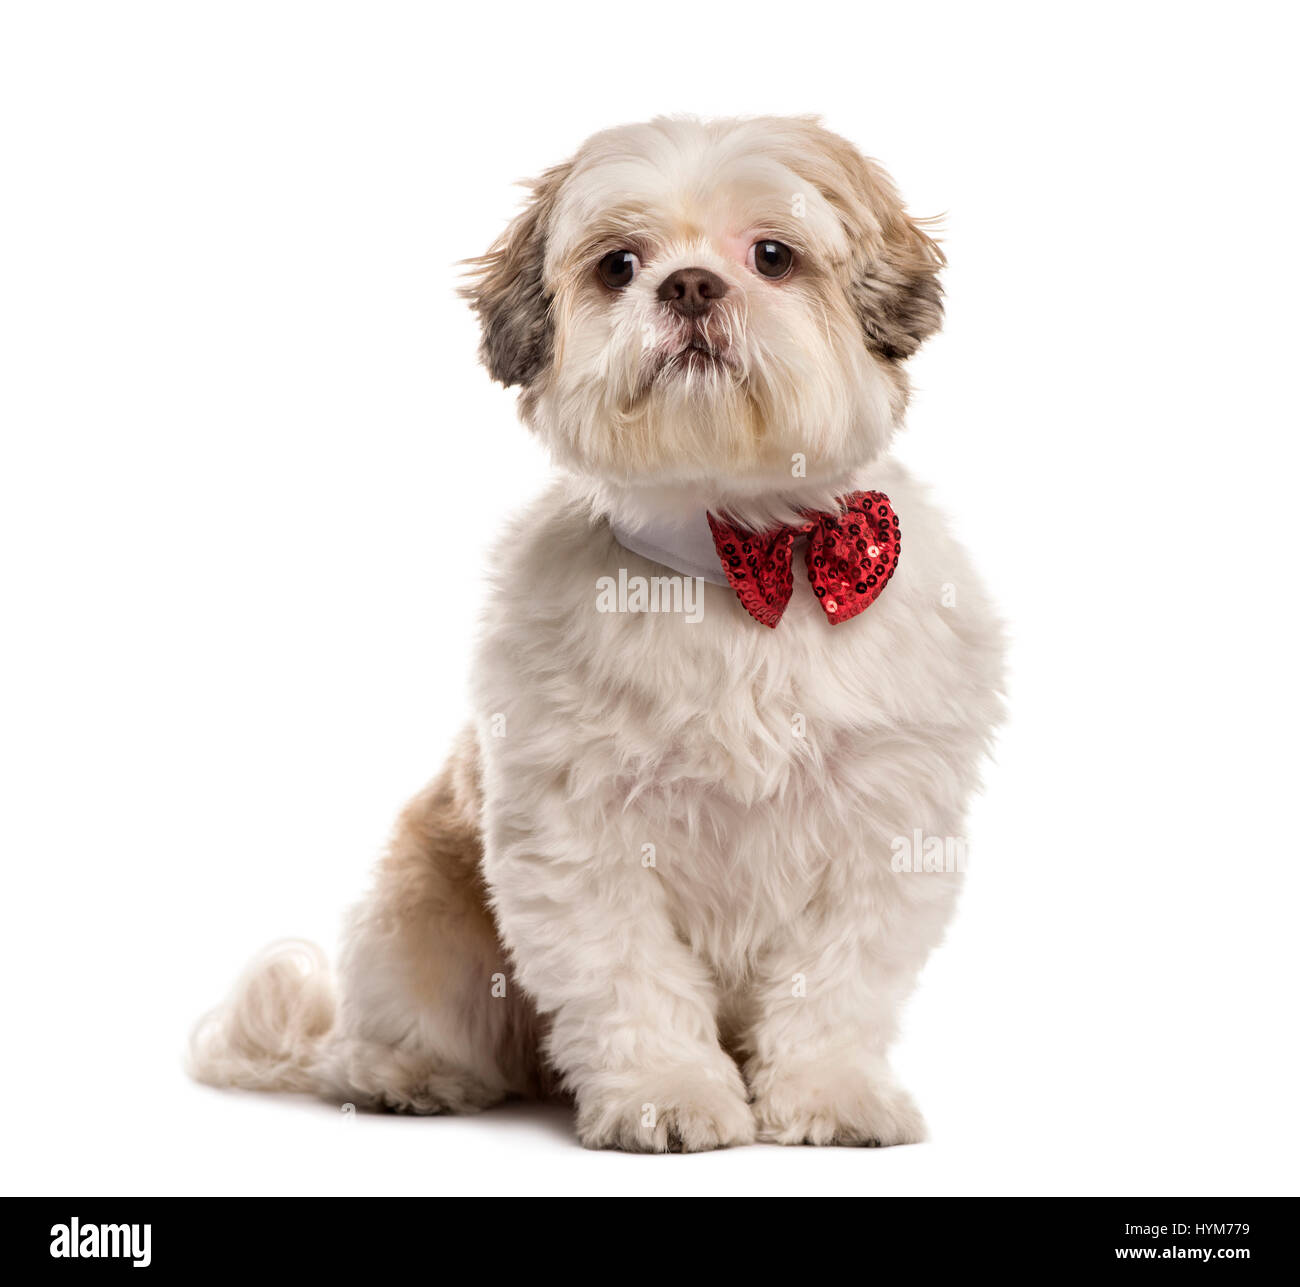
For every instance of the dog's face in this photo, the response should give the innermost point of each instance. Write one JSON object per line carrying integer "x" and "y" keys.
{"x": 698, "y": 301}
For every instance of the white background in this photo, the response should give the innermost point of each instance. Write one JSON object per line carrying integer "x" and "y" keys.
{"x": 249, "y": 465}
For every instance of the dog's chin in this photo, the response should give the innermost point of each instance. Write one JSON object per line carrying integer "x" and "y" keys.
{"x": 700, "y": 409}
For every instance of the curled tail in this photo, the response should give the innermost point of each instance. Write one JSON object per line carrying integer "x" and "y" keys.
{"x": 270, "y": 1031}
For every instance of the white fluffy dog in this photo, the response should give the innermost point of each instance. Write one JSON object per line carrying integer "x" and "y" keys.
{"x": 705, "y": 829}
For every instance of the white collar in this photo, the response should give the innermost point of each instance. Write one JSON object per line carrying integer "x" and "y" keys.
{"x": 684, "y": 545}
{"x": 668, "y": 523}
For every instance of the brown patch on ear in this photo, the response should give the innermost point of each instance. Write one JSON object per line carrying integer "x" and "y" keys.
{"x": 895, "y": 262}
{"x": 897, "y": 293}
{"x": 507, "y": 292}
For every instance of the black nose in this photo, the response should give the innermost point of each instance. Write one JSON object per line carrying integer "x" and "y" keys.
{"x": 691, "y": 291}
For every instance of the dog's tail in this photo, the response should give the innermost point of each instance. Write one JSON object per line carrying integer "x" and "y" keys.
{"x": 270, "y": 1033}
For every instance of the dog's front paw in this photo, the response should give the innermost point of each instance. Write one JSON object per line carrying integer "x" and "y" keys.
{"x": 834, "y": 1101}
{"x": 682, "y": 1110}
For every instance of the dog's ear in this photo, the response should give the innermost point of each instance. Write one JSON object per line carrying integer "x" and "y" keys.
{"x": 506, "y": 290}
{"x": 894, "y": 267}
{"x": 896, "y": 291}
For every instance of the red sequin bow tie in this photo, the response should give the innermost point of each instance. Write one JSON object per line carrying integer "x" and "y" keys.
{"x": 850, "y": 556}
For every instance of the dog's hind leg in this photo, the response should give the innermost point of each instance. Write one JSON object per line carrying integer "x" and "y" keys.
{"x": 428, "y": 1018}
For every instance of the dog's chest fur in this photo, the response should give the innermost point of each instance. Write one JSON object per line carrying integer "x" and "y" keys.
{"x": 751, "y": 771}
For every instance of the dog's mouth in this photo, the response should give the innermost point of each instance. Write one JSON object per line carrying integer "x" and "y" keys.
{"x": 697, "y": 355}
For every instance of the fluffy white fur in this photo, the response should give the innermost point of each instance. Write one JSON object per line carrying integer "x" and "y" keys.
{"x": 658, "y": 872}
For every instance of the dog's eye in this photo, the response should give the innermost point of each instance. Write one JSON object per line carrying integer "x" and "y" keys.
{"x": 618, "y": 268}
{"x": 771, "y": 258}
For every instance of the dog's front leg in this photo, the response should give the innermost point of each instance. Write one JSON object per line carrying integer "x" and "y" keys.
{"x": 825, "y": 1011}
{"x": 633, "y": 1026}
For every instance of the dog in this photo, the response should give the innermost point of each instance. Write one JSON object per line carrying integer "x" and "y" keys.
{"x": 663, "y": 873}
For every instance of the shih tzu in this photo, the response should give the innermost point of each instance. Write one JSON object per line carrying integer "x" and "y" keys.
{"x": 705, "y": 829}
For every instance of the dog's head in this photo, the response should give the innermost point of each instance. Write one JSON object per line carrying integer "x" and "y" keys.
{"x": 692, "y": 300}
